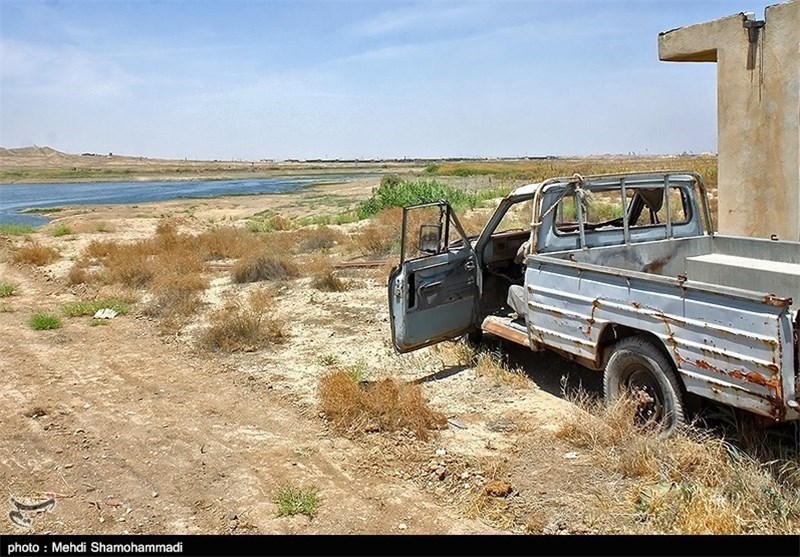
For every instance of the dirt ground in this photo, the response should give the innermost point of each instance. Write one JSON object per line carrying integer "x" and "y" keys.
{"x": 135, "y": 432}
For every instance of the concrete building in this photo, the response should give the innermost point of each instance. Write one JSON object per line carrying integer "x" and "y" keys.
{"x": 758, "y": 104}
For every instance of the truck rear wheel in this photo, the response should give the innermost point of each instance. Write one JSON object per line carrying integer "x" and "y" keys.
{"x": 638, "y": 368}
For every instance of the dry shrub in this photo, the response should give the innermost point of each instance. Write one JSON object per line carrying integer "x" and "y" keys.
{"x": 382, "y": 234}
{"x": 227, "y": 242}
{"x": 78, "y": 275}
{"x": 284, "y": 242}
{"x": 457, "y": 353}
{"x": 474, "y": 221}
{"x": 382, "y": 406}
{"x": 323, "y": 275}
{"x": 691, "y": 482}
{"x": 593, "y": 423}
{"x": 491, "y": 366}
{"x": 97, "y": 249}
{"x": 167, "y": 227}
{"x": 321, "y": 238}
{"x": 138, "y": 264}
{"x": 168, "y": 240}
{"x": 123, "y": 294}
{"x": 128, "y": 264}
{"x": 35, "y": 254}
{"x": 264, "y": 266}
{"x": 176, "y": 295}
{"x": 169, "y": 264}
{"x": 245, "y": 326}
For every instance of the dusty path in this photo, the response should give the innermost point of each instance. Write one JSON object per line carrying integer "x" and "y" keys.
{"x": 137, "y": 435}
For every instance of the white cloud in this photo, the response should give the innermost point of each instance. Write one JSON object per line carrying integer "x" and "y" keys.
{"x": 414, "y": 18}
{"x": 59, "y": 72}
{"x": 21, "y": 60}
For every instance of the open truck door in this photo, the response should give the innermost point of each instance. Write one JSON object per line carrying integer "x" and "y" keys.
{"x": 434, "y": 292}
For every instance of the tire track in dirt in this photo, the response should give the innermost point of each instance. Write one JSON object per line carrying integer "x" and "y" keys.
{"x": 137, "y": 435}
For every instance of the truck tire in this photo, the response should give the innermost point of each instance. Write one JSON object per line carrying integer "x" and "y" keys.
{"x": 638, "y": 367}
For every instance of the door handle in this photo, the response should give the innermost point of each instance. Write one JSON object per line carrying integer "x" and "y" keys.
{"x": 426, "y": 287}
{"x": 469, "y": 265}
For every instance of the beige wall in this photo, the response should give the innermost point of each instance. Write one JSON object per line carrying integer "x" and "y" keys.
{"x": 758, "y": 98}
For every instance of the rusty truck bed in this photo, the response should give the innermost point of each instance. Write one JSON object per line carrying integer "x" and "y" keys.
{"x": 722, "y": 307}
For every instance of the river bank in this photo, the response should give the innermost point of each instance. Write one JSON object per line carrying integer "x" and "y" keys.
{"x": 46, "y": 165}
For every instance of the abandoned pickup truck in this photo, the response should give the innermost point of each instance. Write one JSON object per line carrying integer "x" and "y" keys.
{"x": 622, "y": 274}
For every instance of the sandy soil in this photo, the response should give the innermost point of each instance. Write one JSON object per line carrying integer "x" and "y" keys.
{"x": 138, "y": 432}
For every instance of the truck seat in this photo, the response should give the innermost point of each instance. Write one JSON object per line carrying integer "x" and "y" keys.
{"x": 516, "y": 299}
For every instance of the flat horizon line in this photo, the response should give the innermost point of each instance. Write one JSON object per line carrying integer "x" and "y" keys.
{"x": 43, "y": 150}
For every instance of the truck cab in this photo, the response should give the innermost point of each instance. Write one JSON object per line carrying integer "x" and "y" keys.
{"x": 447, "y": 284}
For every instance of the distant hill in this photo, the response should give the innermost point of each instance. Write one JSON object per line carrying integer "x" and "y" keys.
{"x": 34, "y": 151}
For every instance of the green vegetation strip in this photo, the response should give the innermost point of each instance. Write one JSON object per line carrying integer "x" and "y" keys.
{"x": 292, "y": 500}
{"x": 7, "y": 289}
{"x": 61, "y": 230}
{"x": 16, "y": 229}
{"x": 78, "y": 309}
{"x": 395, "y": 192}
{"x": 42, "y": 321}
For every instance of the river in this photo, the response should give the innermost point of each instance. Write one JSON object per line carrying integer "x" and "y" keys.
{"x": 15, "y": 199}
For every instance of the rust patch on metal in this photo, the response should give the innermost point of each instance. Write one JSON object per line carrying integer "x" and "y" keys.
{"x": 741, "y": 375}
{"x": 671, "y": 337}
{"x": 758, "y": 379}
{"x": 655, "y": 266}
{"x": 777, "y": 301}
{"x": 702, "y": 364}
{"x": 500, "y": 330}
{"x": 591, "y": 320}
{"x": 553, "y": 311}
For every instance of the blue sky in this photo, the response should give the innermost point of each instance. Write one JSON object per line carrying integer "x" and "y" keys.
{"x": 290, "y": 79}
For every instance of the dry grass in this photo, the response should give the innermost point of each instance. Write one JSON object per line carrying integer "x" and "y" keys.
{"x": 475, "y": 220}
{"x": 264, "y": 266}
{"x": 487, "y": 503}
{"x": 171, "y": 266}
{"x": 268, "y": 221}
{"x": 78, "y": 275}
{"x": 538, "y": 170}
{"x": 491, "y": 366}
{"x": 176, "y": 298}
{"x": 381, "y": 235}
{"x": 98, "y": 248}
{"x": 386, "y": 405}
{"x": 104, "y": 227}
{"x": 35, "y": 254}
{"x": 457, "y": 353}
{"x": 323, "y": 276}
{"x": 227, "y": 242}
{"x": 690, "y": 483}
{"x": 319, "y": 238}
{"x": 245, "y": 326}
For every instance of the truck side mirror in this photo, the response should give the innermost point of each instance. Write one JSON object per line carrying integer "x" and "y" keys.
{"x": 430, "y": 236}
